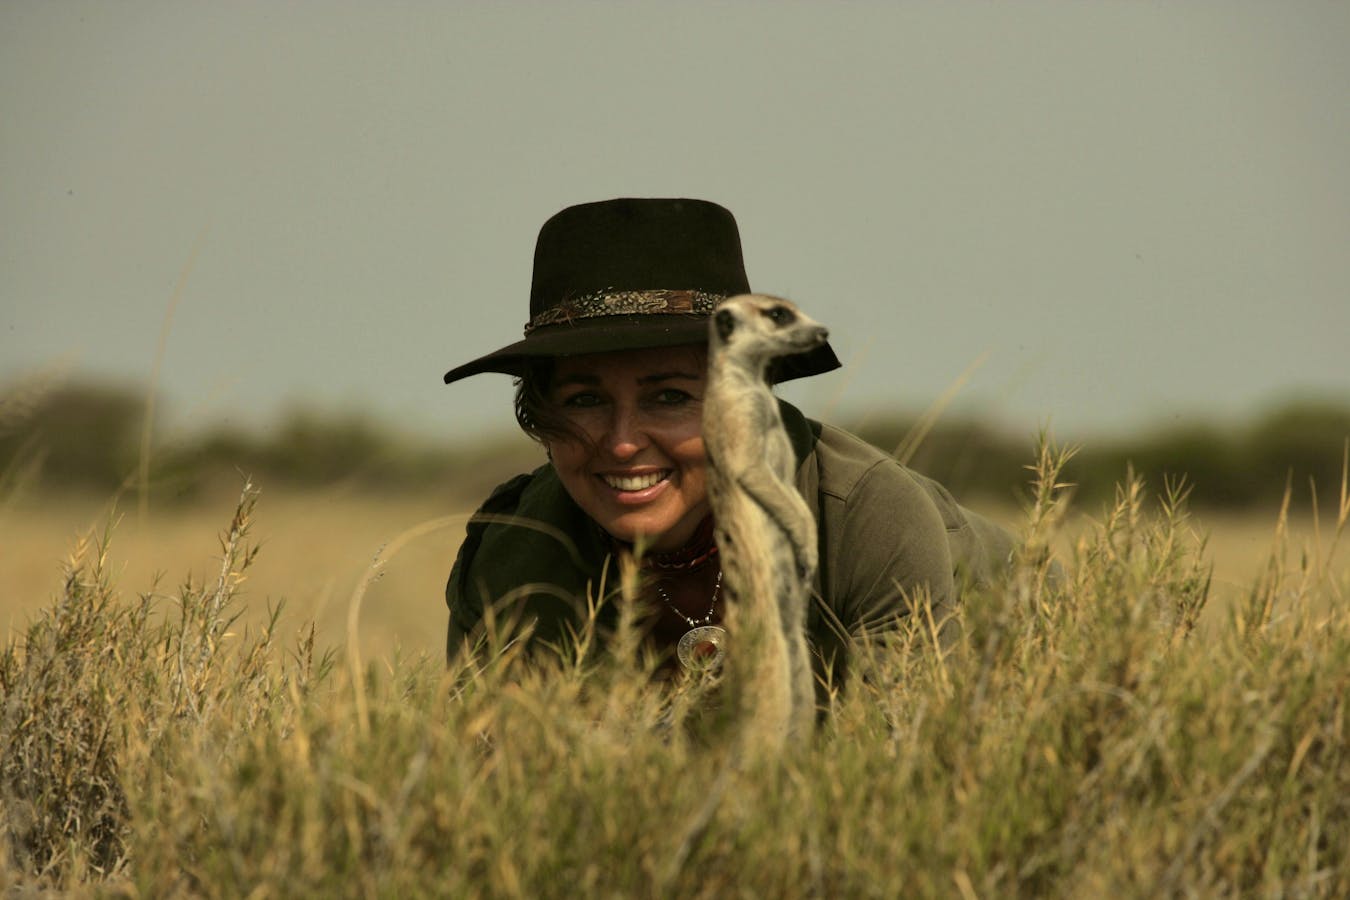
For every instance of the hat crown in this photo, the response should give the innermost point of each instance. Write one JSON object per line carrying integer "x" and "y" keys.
{"x": 632, "y": 274}
{"x": 636, "y": 244}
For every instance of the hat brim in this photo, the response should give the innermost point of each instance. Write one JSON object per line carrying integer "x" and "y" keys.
{"x": 604, "y": 334}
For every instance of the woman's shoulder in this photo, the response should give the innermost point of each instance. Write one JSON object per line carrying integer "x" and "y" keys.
{"x": 860, "y": 475}
{"x": 533, "y": 507}
{"x": 847, "y": 465}
{"x": 854, "y": 471}
{"x": 530, "y": 541}
{"x": 505, "y": 497}
{"x": 842, "y": 470}
{"x": 537, "y": 496}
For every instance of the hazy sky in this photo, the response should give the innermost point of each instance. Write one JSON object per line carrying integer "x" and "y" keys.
{"x": 1136, "y": 210}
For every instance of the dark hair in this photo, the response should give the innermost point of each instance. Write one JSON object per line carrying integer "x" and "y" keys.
{"x": 534, "y": 410}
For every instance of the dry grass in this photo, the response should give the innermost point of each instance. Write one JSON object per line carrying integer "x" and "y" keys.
{"x": 1079, "y": 737}
{"x": 317, "y": 546}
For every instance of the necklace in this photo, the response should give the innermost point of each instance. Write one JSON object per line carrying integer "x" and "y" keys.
{"x": 700, "y": 647}
{"x": 693, "y": 555}
{"x": 693, "y": 623}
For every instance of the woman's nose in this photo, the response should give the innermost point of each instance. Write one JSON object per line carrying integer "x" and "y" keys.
{"x": 627, "y": 433}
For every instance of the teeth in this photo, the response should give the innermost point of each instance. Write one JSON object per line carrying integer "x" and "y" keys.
{"x": 634, "y": 482}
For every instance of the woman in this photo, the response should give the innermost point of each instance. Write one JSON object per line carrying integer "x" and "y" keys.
{"x": 610, "y": 378}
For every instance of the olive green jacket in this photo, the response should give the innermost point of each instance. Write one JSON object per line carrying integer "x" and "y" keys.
{"x": 886, "y": 533}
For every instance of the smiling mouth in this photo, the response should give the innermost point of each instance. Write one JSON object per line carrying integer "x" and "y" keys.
{"x": 635, "y": 482}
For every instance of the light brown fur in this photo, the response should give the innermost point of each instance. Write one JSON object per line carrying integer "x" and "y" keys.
{"x": 765, "y": 532}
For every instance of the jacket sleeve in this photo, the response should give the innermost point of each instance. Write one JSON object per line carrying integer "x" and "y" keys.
{"x": 463, "y": 599}
{"x": 531, "y": 557}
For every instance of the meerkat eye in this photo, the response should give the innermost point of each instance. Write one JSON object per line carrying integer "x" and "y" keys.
{"x": 780, "y": 315}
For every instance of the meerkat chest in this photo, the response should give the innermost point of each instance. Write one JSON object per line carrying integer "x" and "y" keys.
{"x": 777, "y": 453}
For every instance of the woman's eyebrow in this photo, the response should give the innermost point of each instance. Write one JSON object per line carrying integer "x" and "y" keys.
{"x": 579, "y": 378}
{"x": 586, "y": 379}
{"x": 666, "y": 376}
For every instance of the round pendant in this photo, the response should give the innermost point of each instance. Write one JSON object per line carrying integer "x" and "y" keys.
{"x": 701, "y": 648}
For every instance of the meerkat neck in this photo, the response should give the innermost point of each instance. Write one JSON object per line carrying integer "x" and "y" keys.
{"x": 746, "y": 370}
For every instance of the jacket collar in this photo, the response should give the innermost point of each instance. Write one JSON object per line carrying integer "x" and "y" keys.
{"x": 801, "y": 431}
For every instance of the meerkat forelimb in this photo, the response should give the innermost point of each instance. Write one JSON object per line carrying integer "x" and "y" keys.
{"x": 765, "y": 532}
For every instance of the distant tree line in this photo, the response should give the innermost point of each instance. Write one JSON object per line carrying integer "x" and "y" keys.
{"x": 87, "y": 437}
{"x": 1298, "y": 444}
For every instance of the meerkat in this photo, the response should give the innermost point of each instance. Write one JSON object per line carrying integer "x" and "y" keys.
{"x": 765, "y": 532}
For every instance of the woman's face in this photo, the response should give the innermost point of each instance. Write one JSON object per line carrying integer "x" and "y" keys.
{"x": 638, "y": 469}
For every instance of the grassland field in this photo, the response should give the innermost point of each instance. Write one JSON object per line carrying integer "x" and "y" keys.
{"x": 1084, "y": 736}
{"x": 318, "y": 546}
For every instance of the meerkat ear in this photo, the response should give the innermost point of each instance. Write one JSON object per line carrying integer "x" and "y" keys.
{"x": 725, "y": 321}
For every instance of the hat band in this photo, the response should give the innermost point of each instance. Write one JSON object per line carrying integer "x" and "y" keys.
{"x": 627, "y": 303}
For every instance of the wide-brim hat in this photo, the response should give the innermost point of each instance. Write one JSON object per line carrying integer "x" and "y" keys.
{"x": 632, "y": 274}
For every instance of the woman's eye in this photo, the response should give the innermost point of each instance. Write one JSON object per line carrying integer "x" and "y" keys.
{"x": 584, "y": 400}
{"x": 671, "y": 397}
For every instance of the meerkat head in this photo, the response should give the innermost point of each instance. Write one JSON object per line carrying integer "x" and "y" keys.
{"x": 756, "y": 329}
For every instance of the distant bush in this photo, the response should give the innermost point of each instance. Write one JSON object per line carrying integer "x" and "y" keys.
{"x": 1223, "y": 467}
{"x": 87, "y": 437}
{"x": 1294, "y": 445}
{"x": 969, "y": 457}
{"x": 306, "y": 450}
{"x": 1302, "y": 441}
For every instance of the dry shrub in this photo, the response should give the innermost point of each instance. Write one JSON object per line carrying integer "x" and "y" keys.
{"x": 1085, "y": 731}
{"x": 96, "y": 691}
